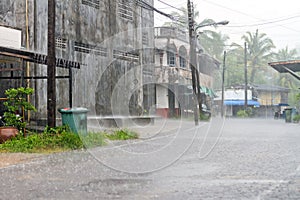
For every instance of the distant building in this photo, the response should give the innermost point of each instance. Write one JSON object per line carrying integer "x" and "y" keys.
{"x": 234, "y": 100}
{"x": 264, "y": 99}
{"x": 173, "y": 75}
{"x": 271, "y": 98}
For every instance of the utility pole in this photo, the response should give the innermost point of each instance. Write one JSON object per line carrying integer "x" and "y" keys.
{"x": 51, "y": 71}
{"x": 223, "y": 79}
{"x": 193, "y": 59}
{"x": 246, "y": 76}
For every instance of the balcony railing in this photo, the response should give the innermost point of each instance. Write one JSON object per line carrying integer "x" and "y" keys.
{"x": 163, "y": 32}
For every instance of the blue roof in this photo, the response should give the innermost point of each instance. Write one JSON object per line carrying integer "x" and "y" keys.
{"x": 241, "y": 103}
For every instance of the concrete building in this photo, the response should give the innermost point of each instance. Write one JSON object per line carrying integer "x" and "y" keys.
{"x": 264, "y": 100}
{"x": 113, "y": 40}
{"x": 173, "y": 74}
{"x": 272, "y": 98}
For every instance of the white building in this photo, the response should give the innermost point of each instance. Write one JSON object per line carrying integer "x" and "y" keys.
{"x": 173, "y": 74}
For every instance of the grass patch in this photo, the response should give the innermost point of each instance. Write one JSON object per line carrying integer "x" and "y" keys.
{"x": 43, "y": 143}
{"x": 122, "y": 134}
{"x": 61, "y": 139}
{"x": 93, "y": 139}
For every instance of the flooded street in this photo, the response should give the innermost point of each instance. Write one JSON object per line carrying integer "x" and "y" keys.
{"x": 231, "y": 159}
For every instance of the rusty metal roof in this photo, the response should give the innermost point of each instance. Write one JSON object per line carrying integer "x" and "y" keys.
{"x": 291, "y": 67}
{"x": 285, "y": 66}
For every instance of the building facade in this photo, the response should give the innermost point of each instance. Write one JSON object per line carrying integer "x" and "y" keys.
{"x": 173, "y": 77}
{"x": 272, "y": 98}
{"x": 112, "y": 40}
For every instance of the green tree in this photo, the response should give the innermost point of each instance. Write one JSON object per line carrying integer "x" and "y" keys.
{"x": 286, "y": 54}
{"x": 213, "y": 42}
{"x": 181, "y": 19}
{"x": 234, "y": 66}
{"x": 259, "y": 52}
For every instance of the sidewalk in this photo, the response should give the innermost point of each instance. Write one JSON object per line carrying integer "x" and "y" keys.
{"x": 8, "y": 159}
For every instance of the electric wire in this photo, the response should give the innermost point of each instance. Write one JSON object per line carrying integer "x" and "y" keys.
{"x": 170, "y": 5}
{"x": 265, "y": 23}
{"x": 242, "y": 13}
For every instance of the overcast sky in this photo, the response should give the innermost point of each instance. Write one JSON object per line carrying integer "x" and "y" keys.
{"x": 280, "y": 20}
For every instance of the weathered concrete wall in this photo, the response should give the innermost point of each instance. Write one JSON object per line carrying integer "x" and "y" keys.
{"x": 111, "y": 48}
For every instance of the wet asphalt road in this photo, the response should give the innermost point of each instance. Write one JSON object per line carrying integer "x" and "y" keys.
{"x": 231, "y": 159}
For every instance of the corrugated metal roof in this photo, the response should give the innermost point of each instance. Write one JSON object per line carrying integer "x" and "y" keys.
{"x": 270, "y": 88}
{"x": 280, "y": 66}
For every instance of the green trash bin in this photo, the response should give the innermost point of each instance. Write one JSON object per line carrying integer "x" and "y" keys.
{"x": 288, "y": 115}
{"x": 75, "y": 118}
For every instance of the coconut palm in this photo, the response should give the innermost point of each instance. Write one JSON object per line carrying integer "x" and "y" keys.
{"x": 286, "y": 54}
{"x": 213, "y": 42}
{"x": 259, "y": 52}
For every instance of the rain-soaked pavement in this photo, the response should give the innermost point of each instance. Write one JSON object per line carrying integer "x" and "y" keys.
{"x": 223, "y": 159}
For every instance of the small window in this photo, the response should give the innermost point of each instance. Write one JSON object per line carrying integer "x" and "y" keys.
{"x": 171, "y": 58}
{"x": 61, "y": 43}
{"x": 128, "y": 56}
{"x": 145, "y": 38}
{"x": 161, "y": 58}
{"x": 125, "y": 10}
{"x": 88, "y": 48}
{"x": 182, "y": 62}
{"x": 91, "y": 3}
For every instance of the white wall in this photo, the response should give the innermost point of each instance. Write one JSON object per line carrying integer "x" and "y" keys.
{"x": 10, "y": 37}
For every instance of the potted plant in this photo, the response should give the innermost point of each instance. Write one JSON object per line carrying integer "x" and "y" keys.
{"x": 15, "y": 104}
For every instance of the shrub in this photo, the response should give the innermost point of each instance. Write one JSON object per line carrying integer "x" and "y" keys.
{"x": 242, "y": 114}
{"x": 15, "y": 103}
{"x": 296, "y": 118}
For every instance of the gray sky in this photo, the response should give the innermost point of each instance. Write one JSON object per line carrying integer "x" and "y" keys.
{"x": 280, "y": 20}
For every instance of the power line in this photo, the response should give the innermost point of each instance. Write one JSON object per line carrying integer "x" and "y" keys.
{"x": 242, "y": 13}
{"x": 170, "y": 5}
{"x": 265, "y": 23}
{"x": 148, "y": 6}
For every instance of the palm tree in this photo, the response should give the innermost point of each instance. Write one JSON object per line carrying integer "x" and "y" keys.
{"x": 181, "y": 19}
{"x": 285, "y": 79}
{"x": 260, "y": 51}
{"x": 286, "y": 54}
{"x": 213, "y": 42}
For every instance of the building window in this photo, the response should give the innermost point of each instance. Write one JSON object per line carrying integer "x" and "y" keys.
{"x": 91, "y": 3}
{"x": 171, "y": 58}
{"x": 88, "y": 48}
{"x": 127, "y": 56}
{"x": 161, "y": 58}
{"x": 182, "y": 62}
{"x": 182, "y": 57}
{"x": 145, "y": 38}
{"x": 125, "y": 10}
{"x": 61, "y": 43}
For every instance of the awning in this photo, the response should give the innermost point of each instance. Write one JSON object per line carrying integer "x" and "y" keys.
{"x": 283, "y": 104}
{"x": 241, "y": 103}
{"x": 207, "y": 91}
{"x": 290, "y": 66}
{"x": 37, "y": 57}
